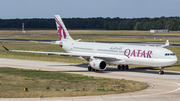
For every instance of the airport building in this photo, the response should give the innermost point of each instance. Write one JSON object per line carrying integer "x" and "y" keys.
{"x": 159, "y": 31}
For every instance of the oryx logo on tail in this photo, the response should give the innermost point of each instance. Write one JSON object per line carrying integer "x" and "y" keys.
{"x": 61, "y": 28}
{"x": 61, "y": 31}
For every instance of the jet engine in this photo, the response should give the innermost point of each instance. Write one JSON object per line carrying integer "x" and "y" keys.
{"x": 98, "y": 64}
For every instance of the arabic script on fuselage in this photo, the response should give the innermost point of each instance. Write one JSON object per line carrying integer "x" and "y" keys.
{"x": 116, "y": 48}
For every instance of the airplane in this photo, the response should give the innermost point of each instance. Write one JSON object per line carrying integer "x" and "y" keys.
{"x": 100, "y": 54}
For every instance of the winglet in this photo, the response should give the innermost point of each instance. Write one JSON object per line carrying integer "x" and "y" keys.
{"x": 5, "y": 48}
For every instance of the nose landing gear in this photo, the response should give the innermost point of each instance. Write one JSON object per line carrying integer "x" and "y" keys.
{"x": 161, "y": 70}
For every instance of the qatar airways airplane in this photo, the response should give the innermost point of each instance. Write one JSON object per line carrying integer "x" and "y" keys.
{"x": 100, "y": 54}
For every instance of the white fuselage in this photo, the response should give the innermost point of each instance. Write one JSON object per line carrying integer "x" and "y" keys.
{"x": 127, "y": 54}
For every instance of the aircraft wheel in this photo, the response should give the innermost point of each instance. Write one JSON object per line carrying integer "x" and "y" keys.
{"x": 93, "y": 69}
{"x": 126, "y": 67}
{"x": 161, "y": 72}
{"x": 89, "y": 68}
{"x": 119, "y": 67}
{"x": 123, "y": 67}
{"x": 96, "y": 70}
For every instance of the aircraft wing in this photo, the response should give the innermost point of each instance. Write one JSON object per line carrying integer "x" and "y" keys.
{"x": 76, "y": 54}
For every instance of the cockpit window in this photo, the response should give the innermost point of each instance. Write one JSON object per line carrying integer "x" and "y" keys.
{"x": 169, "y": 54}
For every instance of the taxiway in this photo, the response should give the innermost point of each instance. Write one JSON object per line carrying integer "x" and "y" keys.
{"x": 162, "y": 87}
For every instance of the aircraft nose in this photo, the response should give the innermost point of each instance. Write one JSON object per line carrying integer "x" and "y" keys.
{"x": 175, "y": 59}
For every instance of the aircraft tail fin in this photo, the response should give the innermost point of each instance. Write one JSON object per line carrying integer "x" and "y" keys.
{"x": 62, "y": 31}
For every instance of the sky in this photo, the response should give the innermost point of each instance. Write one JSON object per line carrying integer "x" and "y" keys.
{"x": 10, "y": 9}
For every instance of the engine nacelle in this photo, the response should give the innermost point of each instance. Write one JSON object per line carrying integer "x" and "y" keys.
{"x": 98, "y": 64}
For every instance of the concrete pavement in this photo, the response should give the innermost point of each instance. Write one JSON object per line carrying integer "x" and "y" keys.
{"x": 162, "y": 87}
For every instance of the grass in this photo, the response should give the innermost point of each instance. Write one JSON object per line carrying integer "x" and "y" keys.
{"x": 56, "y": 84}
{"x": 88, "y": 35}
{"x": 92, "y": 32}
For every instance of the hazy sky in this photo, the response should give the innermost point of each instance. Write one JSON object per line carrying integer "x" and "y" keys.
{"x": 88, "y": 8}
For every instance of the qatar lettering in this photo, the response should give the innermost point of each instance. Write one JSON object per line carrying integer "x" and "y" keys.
{"x": 137, "y": 53}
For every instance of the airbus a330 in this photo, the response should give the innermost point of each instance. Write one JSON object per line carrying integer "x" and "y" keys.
{"x": 100, "y": 54}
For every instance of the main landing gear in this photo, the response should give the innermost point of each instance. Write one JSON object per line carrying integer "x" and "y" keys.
{"x": 120, "y": 67}
{"x": 89, "y": 68}
{"x": 161, "y": 71}
{"x": 123, "y": 67}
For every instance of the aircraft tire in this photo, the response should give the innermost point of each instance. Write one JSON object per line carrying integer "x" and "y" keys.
{"x": 119, "y": 67}
{"x": 96, "y": 70}
{"x": 161, "y": 72}
{"x": 93, "y": 69}
{"x": 89, "y": 68}
{"x": 126, "y": 67}
{"x": 123, "y": 67}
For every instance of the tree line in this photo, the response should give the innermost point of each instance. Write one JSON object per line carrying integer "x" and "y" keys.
{"x": 171, "y": 23}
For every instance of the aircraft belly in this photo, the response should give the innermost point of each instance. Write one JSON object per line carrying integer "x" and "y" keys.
{"x": 163, "y": 62}
{"x": 150, "y": 61}
{"x": 117, "y": 62}
{"x": 140, "y": 61}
